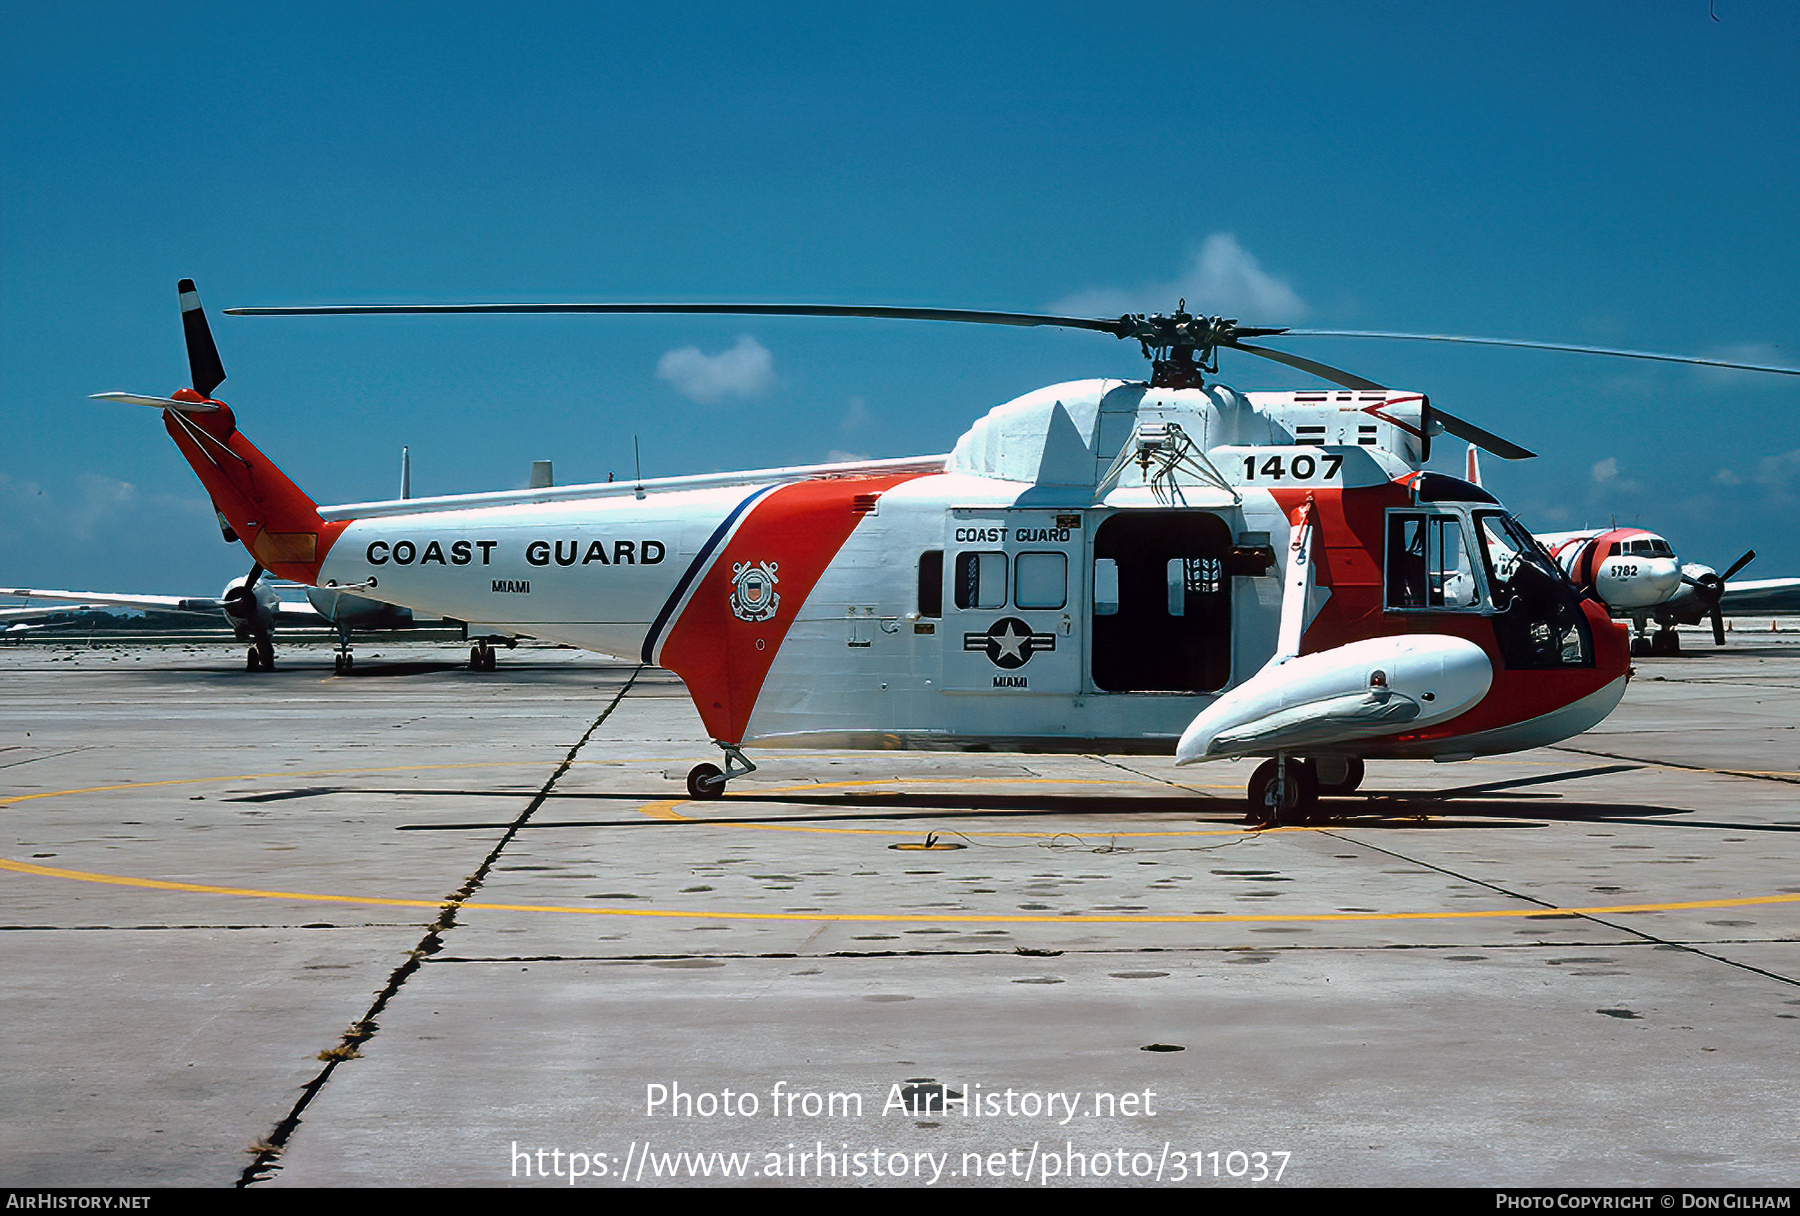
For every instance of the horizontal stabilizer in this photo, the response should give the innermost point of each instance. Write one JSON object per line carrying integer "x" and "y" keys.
{"x": 161, "y": 403}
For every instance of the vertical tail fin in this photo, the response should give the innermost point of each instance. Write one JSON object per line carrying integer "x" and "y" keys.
{"x": 274, "y": 518}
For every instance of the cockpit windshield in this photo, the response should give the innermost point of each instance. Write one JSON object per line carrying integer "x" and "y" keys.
{"x": 1539, "y": 621}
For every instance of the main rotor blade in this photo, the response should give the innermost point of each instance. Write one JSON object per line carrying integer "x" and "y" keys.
{"x": 1466, "y": 430}
{"x": 965, "y": 315}
{"x": 203, "y": 354}
{"x": 1579, "y": 350}
{"x": 1322, "y": 370}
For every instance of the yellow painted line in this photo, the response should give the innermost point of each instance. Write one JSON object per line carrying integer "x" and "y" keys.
{"x": 1745, "y": 901}
{"x": 288, "y": 776}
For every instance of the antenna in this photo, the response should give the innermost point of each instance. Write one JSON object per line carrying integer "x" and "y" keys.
{"x": 638, "y": 463}
{"x": 405, "y": 472}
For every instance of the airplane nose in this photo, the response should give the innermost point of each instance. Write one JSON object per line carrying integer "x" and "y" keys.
{"x": 1663, "y": 575}
{"x": 1637, "y": 582}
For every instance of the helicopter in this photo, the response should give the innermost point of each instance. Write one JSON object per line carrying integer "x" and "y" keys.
{"x": 1161, "y": 566}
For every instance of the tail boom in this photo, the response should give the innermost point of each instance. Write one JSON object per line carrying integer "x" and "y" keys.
{"x": 277, "y": 522}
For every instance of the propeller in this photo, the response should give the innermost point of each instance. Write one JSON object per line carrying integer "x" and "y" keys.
{"x": 240, "y": 601}
{"x": 1709, "y": 589}
{"x": 1180, "y": 345}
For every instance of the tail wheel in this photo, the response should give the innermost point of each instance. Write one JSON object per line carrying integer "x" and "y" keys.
{"x": 1300, "y": 793}
{"x": 705, "y": 782}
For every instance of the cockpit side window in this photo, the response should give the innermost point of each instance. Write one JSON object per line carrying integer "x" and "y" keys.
{"x": 1429, "y": 566}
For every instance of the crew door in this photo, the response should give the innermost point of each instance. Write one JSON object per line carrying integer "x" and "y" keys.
{"x": 1012, "y": 590}
{"x": 1162, "y": 602}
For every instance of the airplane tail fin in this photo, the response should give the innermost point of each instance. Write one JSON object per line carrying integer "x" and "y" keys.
{"x": 272, "y": 516}
{"x": 1474, "y": 472}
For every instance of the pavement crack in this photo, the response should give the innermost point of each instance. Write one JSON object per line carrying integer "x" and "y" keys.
{"x": 269, "y": 1149}
{"x": 1649, "y": 938}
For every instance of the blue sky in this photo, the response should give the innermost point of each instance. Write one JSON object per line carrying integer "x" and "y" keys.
{"x": 1622, "y": 174}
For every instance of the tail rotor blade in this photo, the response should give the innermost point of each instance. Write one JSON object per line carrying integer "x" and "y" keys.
{"x": 203, "y": 353}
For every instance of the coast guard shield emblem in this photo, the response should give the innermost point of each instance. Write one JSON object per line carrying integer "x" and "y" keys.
{"x": 753, "y": 594}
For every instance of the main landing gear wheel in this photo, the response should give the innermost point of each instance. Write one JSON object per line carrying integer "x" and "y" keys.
{"x": 1338, "y": 775}
{"x": 343, "y": 663}
{"x": 1300, "y": 793}
{"x": 481, "y": 657}
{"x": 705, "y": 782}
{"x": 1665, "y": 641}
{"x": 260, "y": 657}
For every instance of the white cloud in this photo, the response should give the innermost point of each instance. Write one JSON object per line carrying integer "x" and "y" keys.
{"x": 1606, "y": 478}
{"x": 746, "y": 370}
{"x": 90, "y": 506}
{"x": 1779, "y": 473}
{"x": 1225, "y": 279}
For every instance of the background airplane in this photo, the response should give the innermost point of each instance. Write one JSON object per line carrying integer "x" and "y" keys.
{"x": 254, "y": 608}
{"x": 1638, "y": 576}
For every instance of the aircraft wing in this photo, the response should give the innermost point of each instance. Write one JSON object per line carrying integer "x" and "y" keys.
{"x": 1774, "y": 595}
{"x": 298, "y": 614}
{"x": 32, "y": 614}
{"x": 163, "y": 603}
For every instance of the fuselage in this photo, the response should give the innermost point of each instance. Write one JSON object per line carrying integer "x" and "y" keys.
{"x": 1094, "y": 564}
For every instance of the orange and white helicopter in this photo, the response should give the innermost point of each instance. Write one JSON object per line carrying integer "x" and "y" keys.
{"x": 1161, "y": 566}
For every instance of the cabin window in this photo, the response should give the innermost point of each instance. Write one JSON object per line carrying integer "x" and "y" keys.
{"x": 1205, "y": 575}
{"x": 931, "y": 583}
{"x": 1041, "y": 580}
{"x": 981, "y": 580}
{"x": 1106, "y": 587}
